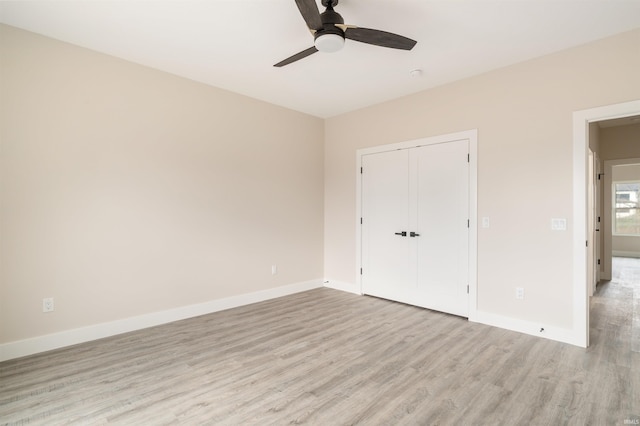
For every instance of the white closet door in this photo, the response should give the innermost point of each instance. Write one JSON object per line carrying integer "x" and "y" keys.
{"x": 441, "y": 220}
{"x": 386, "y": 256}
{"x": 424, "y": 193}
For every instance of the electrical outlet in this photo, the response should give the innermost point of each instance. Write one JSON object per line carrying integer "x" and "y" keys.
{"x": 519, "y": 293}
{"x": 47, "y": 304}
{"x": 274, "y": 269}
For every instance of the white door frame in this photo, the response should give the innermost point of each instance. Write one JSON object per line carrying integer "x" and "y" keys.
{"x": 472, "y": 137}
{"x": 581, "y": 120}
{"x": 591, "y": 223}
{"x": 595, "y": 223}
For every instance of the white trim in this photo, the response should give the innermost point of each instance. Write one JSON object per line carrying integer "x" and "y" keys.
{"x": 527, "y": 327}
{"x": 607, "y": 235}
{"x": 472, "y": 137}
{"x": 343, "y": 286}
{"x": 581, "y": 120}
{"x": 622, "y": 253}
{"x": 358, "y": 219}
{"x": 98, "y": 331}
{"x": 473, "y": 226}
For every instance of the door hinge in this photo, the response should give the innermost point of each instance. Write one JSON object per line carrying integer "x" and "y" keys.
{"x": 598, "y": 261}
{"x": 468, "y": 158}
{"x": 361, "y": 170}
{"x": 598, "y": 219}
{"x": 587, "y": 243}
{"x": 467, "y": 288}
{"x": 360, "y": 271}
{"x": 468, "y": 225}
{"x": 360, "y": 221}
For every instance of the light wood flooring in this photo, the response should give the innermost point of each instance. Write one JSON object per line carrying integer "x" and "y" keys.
{"x": 325, "y": 357}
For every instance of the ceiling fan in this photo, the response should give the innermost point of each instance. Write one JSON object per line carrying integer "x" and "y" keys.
{"x": 329, "y": 32}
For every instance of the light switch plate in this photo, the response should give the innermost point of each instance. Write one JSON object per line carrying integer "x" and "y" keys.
{"x": 558, "y": 224}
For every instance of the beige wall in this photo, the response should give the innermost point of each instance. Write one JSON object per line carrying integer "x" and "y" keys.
{"x": 620, "y": 142}
{"x": 594, "y": 138}
{"x": 126, "y": 190}
{"x": 523, "y": 114}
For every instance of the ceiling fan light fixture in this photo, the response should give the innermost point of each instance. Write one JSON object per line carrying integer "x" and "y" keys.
{"x": 329, "y": 42}
{"x": 329, "y": 32}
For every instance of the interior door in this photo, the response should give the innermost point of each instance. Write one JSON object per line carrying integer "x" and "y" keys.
{"x": 415, "y": 235}
{"x": 598, "y": 214}
{"x": 386, "y": 251}
{"x": 442, "y": 222}
{"x": 591, "y": 227}
{"x": 594, "y": 223}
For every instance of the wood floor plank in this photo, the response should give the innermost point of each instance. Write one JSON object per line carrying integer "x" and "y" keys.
{"x": 326, "y": 357}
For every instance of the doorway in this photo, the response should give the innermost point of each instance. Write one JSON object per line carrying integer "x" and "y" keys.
{"x": 616, "y": 235}
{"x": 581, "y": 298}
{"x": 615, "y": 305}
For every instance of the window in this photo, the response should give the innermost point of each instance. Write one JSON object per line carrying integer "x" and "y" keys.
{"x": 626, "y": 210}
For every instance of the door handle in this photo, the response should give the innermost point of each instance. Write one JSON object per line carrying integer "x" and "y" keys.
{"x": 414, "y": 234}
{"x": 403, "y": 233}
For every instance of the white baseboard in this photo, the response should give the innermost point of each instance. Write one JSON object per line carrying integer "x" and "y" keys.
{"x": 61, "y": 339}
{"x": 564, "y": 335}
{"x": 549, "y": 332}
{"x": 343, "y": 286}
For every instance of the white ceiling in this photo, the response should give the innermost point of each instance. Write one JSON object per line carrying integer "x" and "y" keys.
{"x": 233, "y": 44}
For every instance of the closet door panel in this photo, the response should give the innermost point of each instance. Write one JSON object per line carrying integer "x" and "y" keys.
{"x": 442, "y": 213}
{"x": 386, "y": 271}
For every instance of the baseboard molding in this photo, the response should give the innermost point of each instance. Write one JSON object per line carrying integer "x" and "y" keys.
{"x": 622, "y": 253}
{"x": 558, "y": 334}
{"x": 343, "y": 286}
{"x": 61, "y": 339}
{"x": 521, "y": 326}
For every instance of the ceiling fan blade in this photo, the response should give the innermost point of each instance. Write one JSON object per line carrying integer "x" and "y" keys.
{"x": 297, "y": 57}
{"x": 310, "y": 13}
{"x": 379, "y": 38}
{"x": 344, "y": 27}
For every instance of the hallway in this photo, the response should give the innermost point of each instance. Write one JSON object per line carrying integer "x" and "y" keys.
{"x": 615, "y": 308}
